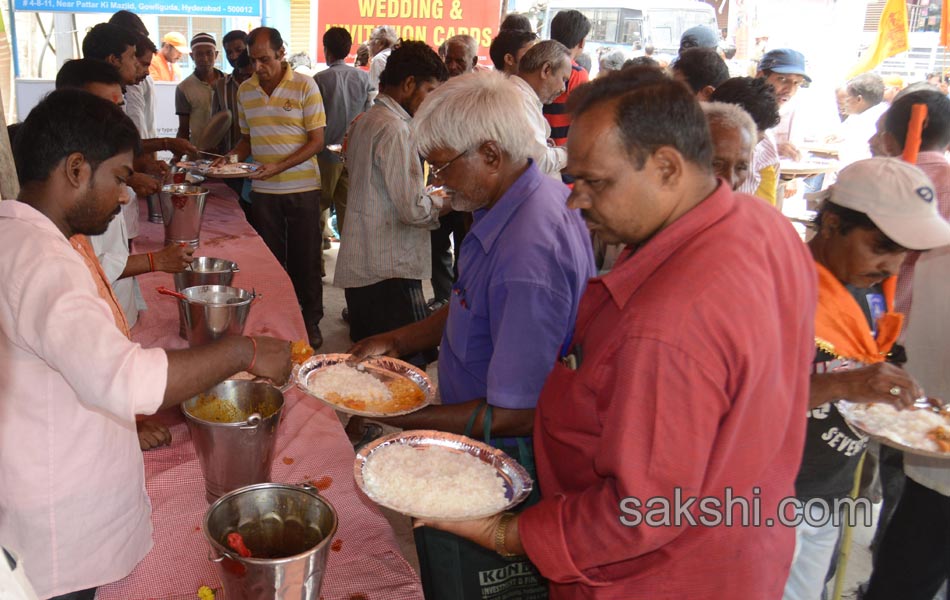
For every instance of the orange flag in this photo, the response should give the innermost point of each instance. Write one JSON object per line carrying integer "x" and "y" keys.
{"x": 945, "y": 24}
{"x": 891, "y": 37}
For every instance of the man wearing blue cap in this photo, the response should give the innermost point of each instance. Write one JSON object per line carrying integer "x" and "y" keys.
{"x": 784, "y": 70}
{"x": 700, "y": 36}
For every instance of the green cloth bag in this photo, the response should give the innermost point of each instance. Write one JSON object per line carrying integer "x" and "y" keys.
{"x": 453, "y": 568}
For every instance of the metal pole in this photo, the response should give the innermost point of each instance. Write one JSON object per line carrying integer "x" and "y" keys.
{"x": 63, "y": 25}
{"x": 16, "y": 49}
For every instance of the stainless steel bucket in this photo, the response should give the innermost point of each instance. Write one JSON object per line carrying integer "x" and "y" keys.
{"x": 233, "y": 455}
{"x": 154, "y": 209}
{"x": 288, "y": 530}
{"x": 206, "y": 270}
{"x": 214, "y": 311}
{"x": 182, "y": 207}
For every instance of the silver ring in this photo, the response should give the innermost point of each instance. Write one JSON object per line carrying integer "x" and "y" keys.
{"x": 895, "y": 391}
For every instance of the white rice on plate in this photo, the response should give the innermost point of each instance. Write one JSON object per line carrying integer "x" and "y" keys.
{"x": 343, "y": 381}
{"x": 433, "y": 482}
{"x": 907, "y": 427}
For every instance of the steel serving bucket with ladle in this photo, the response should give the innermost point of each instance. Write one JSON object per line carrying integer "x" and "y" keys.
{"x": 210, "y": 312}
{"x": 288, "y": 530}
{"x": 240, "y": 453}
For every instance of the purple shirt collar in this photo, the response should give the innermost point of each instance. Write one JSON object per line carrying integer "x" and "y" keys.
{"x": 489, "y": 224}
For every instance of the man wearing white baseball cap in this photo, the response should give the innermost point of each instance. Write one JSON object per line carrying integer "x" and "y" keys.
{"x": 898, "y": 199}
{"x": 878, "y": 209}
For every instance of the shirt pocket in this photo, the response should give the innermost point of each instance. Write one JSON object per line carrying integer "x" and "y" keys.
{"x": 569, "y": 401}
{"x": 459, "y": 325}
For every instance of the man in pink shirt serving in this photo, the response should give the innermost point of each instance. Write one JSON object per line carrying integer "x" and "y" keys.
{"x": 74, "y": 505}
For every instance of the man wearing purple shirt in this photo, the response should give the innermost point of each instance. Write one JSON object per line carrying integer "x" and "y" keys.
{"x": 522, "y": 268}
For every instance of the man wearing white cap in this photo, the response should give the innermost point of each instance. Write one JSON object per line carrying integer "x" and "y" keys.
{"x": 165, "y": 62}
{"x": 878, "y": 210}
{"x": 194, "y": 95}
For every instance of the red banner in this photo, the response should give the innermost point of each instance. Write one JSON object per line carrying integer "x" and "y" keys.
{"x": 431, "y": 21}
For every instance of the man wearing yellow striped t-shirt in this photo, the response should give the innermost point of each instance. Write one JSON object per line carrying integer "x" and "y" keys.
{"x": 282, "y": 123}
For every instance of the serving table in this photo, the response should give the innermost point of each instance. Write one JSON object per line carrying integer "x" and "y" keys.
{"x": 365, "y": 562}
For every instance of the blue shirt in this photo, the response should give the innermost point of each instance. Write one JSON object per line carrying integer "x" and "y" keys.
{"x": 522, "y": 270}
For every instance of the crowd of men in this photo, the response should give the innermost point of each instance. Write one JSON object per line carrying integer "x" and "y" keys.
{"x": 702, "y": 362}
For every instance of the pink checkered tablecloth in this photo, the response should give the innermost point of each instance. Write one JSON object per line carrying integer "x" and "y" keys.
{"x": 311, "y": 443}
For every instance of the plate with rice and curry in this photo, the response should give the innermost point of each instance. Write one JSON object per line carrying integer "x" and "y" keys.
{"x": 380, "y": 386}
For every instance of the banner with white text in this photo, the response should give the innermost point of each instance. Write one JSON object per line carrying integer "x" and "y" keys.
{"x": 431, "y": 21}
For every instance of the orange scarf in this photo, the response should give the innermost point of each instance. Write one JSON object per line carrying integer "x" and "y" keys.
{"x": 841, "y": 328}
{"x": 83, "y": 246}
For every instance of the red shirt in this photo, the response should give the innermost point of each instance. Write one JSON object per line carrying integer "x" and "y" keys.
{"x": 695, "y": 354}
{"x": 556, "y": 112}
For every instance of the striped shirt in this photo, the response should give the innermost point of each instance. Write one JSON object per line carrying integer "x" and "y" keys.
{"x": 556, "y": 112}
{"x": 387, "y": 236}
{"x": 279, "y": 125}
{"x": 761, "y": 182}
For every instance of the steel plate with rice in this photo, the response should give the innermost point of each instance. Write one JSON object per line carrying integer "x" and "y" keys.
{"x": 440, "y": 476}
{"x": 375, "y": 387}
{"x": 916, "y": 431}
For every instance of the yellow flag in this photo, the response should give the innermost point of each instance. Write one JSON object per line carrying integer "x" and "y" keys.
{"x": 891, "y": 37}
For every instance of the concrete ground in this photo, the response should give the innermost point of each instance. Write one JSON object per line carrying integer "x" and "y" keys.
{"x": 336, "y": 339}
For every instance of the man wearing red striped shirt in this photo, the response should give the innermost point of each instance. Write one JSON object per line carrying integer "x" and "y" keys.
{"x": 570, "y": 27}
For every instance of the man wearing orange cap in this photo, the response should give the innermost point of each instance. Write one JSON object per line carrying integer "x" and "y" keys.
{"x": 164, "y": 64}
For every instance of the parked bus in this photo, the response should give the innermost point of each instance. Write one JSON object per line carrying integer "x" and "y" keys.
{"x": 623, "y": 23}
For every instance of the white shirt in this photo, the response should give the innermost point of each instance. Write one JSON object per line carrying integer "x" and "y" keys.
{"x": 855, "y": 133}
{"x": 112, "y": 250}
{"x": 550, "y": 159}
{"x": 927, "y": 342}
{"x": 376, "y": 66}
{"x": 70, "y": 386}
{"x": 140, "y": 107}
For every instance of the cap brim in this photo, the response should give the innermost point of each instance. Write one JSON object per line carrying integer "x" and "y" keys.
{"x": 183, "y": 49}
{"x": 915, "y": 233}
{"x": 790, "y": 71}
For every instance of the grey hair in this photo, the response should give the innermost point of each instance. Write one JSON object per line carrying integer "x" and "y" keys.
{"x": 730, "y": 115}
{"x": 547, "y": 52}
{"x": 471, "y": 109}
{"x": 612, "y": 61}
{"x": 385, "y": 34}
{"x": 467, "y": 41}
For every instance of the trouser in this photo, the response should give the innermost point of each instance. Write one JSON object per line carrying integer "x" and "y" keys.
{"x": 335, "y": 182}
{"x": 237, "y": 186}
{"x": 89, "y": 594}
{"x": 384, "y": 306}
{"x": 891, "y": 470}
{"x": 289, "y": 225}
{"x": 444, "y": 263}
{"x": 913, "y": 561}
{"x": 814, "y": 549}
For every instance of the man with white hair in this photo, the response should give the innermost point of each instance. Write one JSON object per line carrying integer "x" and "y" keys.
{"x": 543, "y": 72}
{"x": 522, "y": 268}
{"x": 461, "y": 55}
{"x": 611, "y": 60}
{"x": 381, "y": 42}
{"x": 733, "y": 136}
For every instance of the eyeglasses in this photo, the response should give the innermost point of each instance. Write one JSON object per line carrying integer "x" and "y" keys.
{"x": 436, "y": 171}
